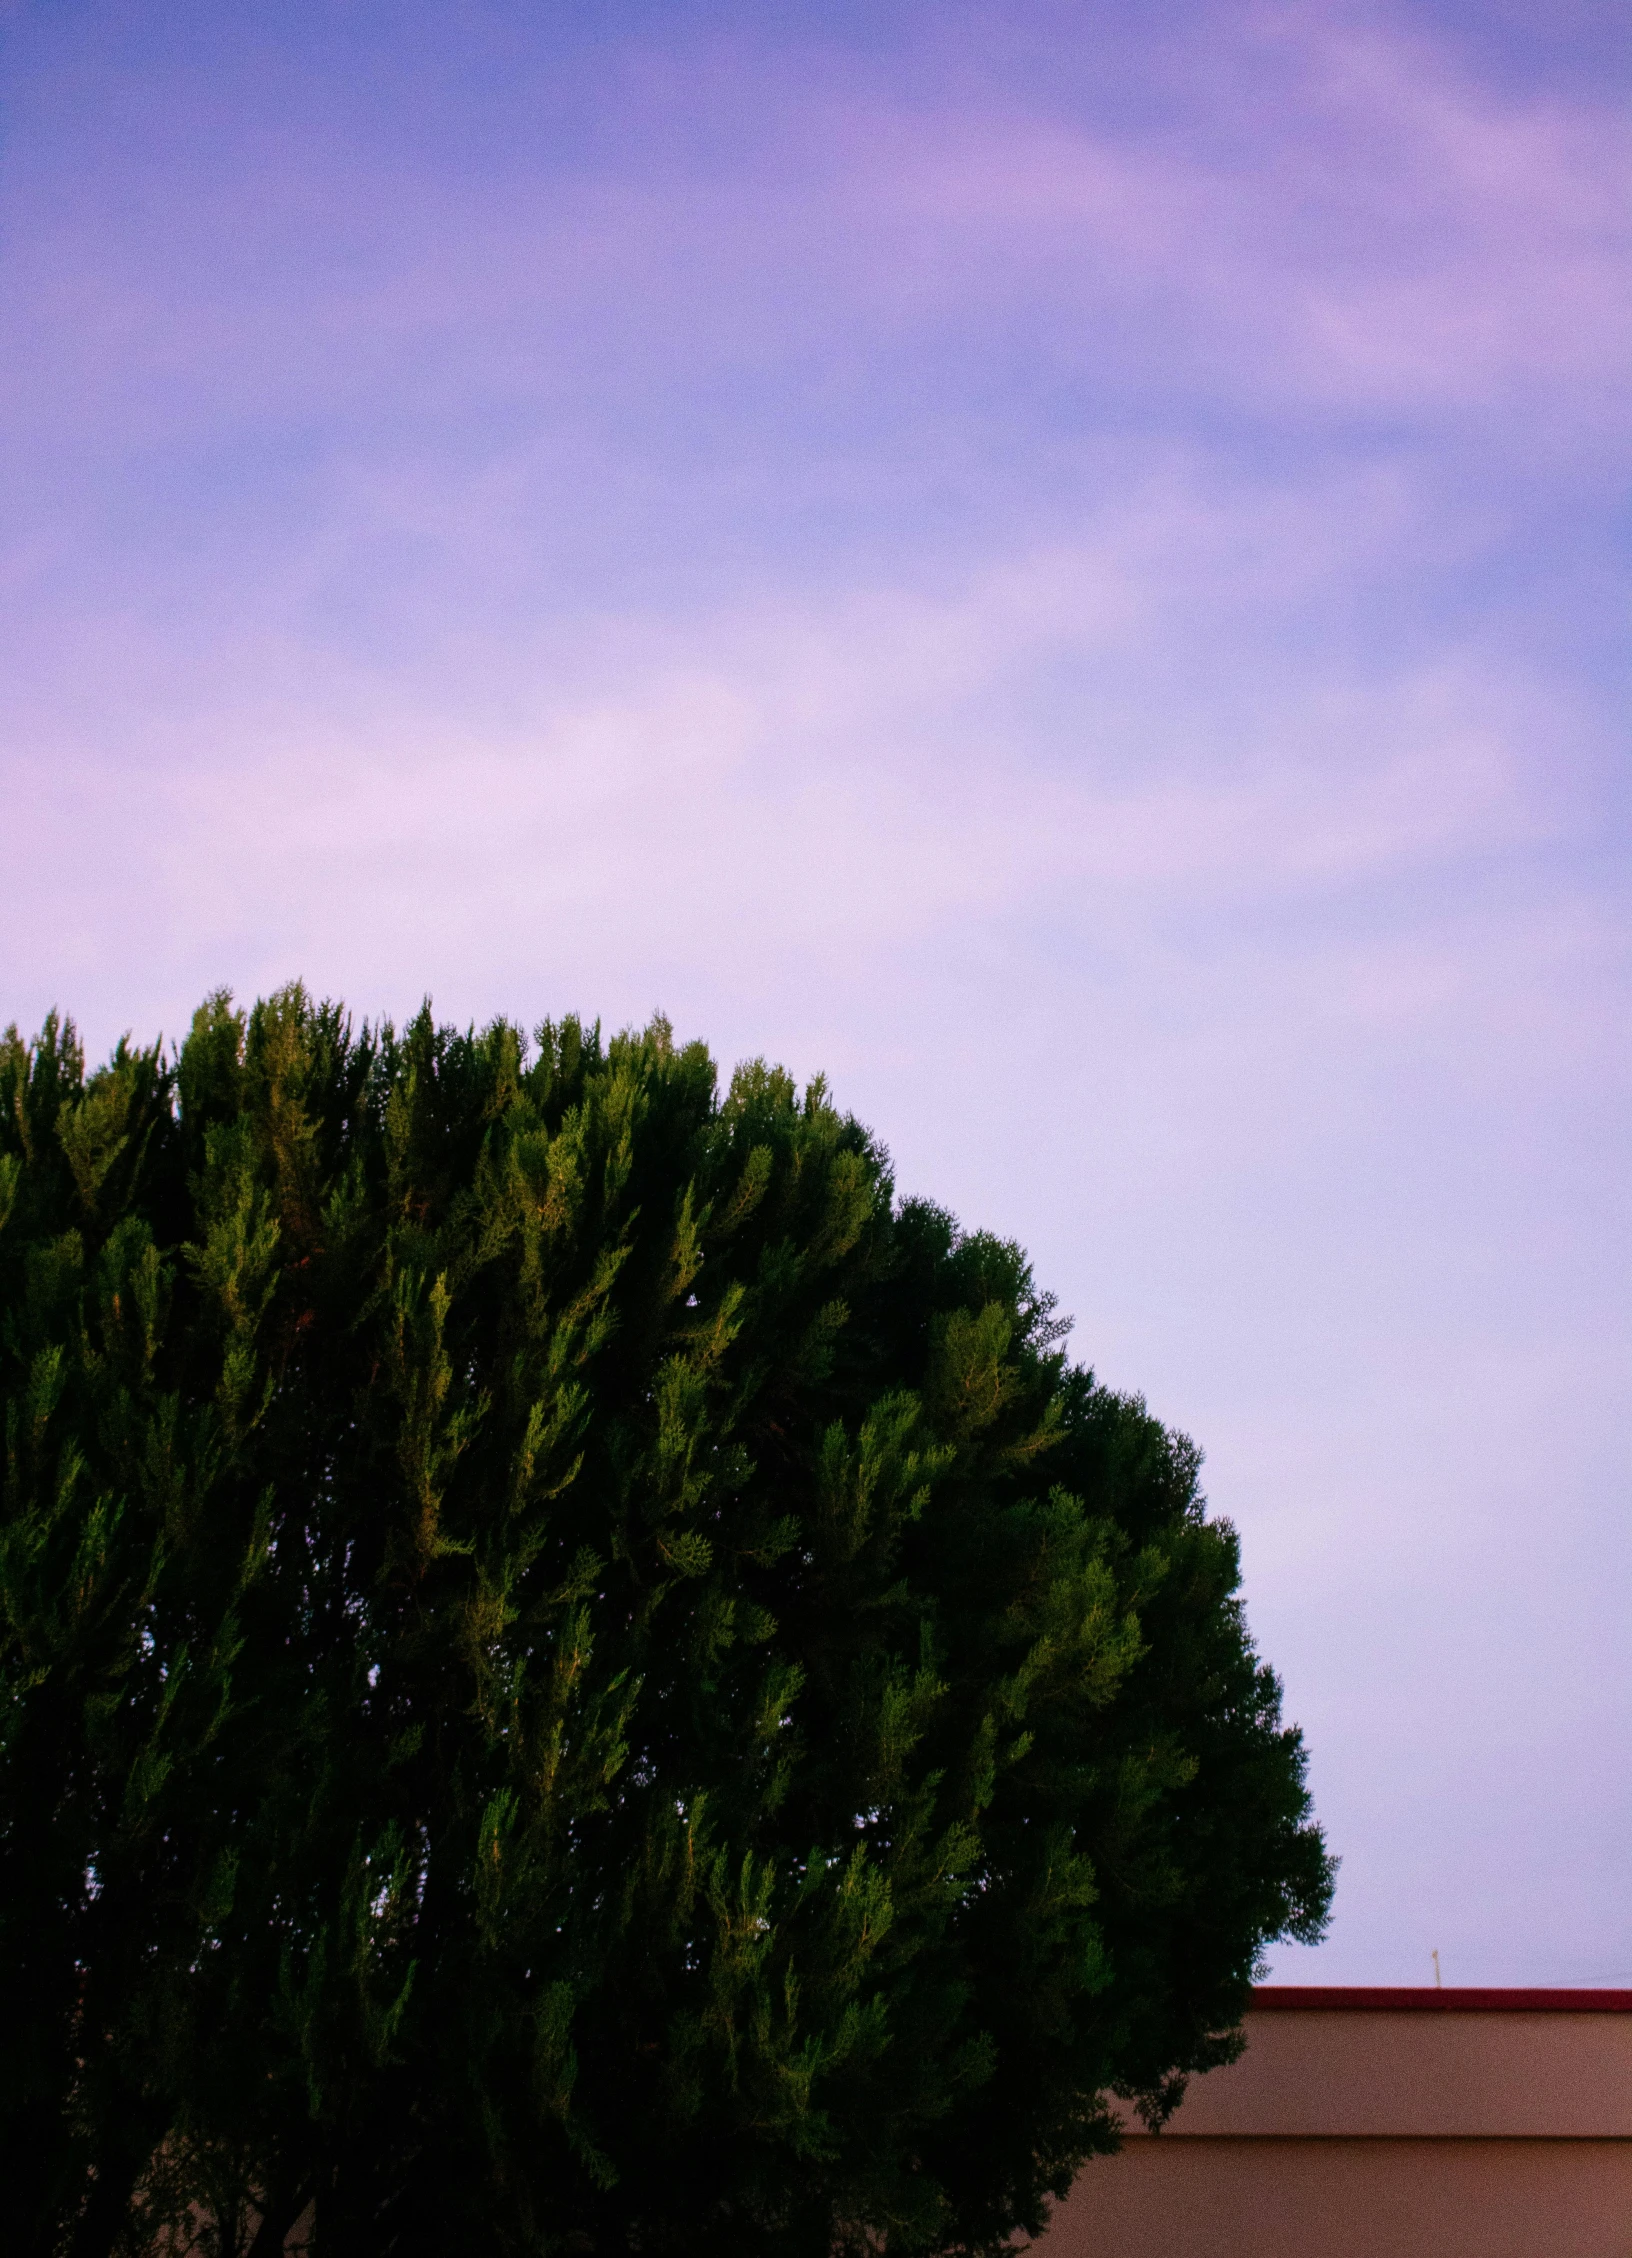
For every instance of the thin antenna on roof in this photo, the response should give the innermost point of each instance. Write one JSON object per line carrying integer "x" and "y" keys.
{"x": 1439, "y": 1983}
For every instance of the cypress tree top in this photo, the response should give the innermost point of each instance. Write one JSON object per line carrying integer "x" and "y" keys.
{"x": 577, "y": 1677}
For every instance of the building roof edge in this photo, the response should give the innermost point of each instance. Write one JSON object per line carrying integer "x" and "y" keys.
{"x": 1428, "y": 1999}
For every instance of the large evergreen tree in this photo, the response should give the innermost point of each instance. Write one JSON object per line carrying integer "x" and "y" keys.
{"x": 576, "y": 1677}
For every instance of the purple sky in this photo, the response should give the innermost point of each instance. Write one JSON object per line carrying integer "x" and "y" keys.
{"x": 1065, "y": 564}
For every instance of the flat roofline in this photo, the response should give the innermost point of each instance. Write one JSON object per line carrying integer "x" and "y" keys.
{"x": 1429, "y": 1999}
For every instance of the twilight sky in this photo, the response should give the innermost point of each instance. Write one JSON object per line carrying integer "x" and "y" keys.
{"x": 1066, "y": 564}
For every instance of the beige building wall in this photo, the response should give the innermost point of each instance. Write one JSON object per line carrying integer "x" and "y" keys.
{"x": 1384, "y": 2125}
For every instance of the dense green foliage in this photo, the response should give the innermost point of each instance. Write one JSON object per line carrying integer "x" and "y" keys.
{"x": 575, "y": 1676}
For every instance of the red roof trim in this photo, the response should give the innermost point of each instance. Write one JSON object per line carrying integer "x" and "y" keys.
{"x": 1388, "y": 1999}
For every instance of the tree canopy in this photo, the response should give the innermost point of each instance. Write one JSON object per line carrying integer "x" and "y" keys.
{"x": 577, "y": 1675}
